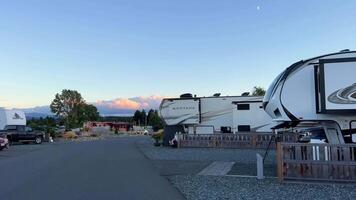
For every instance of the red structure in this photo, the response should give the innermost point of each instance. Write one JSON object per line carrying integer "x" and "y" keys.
{"x": 120, "y": 126}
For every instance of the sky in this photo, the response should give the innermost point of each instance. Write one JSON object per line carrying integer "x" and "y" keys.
{"x": 117, "y": 51}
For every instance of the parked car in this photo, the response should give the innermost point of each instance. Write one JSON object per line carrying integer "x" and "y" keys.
{"x": 24, "y": 134}
{"x": 315, "y": 135}
{"x": 4, "y": 142}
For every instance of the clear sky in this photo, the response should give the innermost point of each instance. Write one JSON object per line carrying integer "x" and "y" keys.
{"x": 121, "y": 49}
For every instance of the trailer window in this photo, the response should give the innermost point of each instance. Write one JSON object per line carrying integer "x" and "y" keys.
{"x": 244, "y": 128}
{"x": 243, "y": 106}
{"x": 10, "y": 128}
{"x": 21, "y": 128}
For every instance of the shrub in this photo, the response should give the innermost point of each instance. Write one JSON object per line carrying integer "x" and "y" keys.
{"x": 158, "y": 135}
{"x": 94, "y": 135}
{"x": 70, "y": 135}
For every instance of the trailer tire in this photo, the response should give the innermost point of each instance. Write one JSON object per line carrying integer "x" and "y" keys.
{"x": 38, "y": 140}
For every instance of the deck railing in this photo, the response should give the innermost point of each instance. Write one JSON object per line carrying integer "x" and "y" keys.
{"x": 316, "y": 162}
{"x": 239, "y": 140}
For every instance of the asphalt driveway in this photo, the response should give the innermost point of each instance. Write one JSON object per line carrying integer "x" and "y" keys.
{"x": 103, "y": 169}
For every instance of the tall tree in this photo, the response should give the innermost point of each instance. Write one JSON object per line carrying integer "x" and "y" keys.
{"x": 64, "y": 104}
{"x": 89, "y": 113}
{"x": 150, "y": 116}
{"x": 143, "y": 118}
{"x": 137, "y": 117}
{"x": 258, "y": 91}
{"x": 70, "y": 106}
{"x": 156, "y": 121}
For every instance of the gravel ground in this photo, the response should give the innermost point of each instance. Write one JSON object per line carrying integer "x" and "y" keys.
{"x": 249, "y": 169}
{"x": 213, "y": 187}
{"x": 203, "y": 154}
{"x": 226, "y": 187}
{"x": 245, "y": 159}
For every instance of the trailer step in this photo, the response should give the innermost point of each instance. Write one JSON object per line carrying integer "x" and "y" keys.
{"x": 217, "y": 168}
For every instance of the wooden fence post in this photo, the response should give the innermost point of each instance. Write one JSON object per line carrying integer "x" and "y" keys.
{"x": 279, "y": 162}
{"x": 179, "y": 140}
{"x": 254, "y": 141}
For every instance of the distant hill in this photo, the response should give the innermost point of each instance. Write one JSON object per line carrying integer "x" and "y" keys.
{"x": 44, "y": 111}
{"x": 33, "y": 115}
{"x": 117, "y": 107}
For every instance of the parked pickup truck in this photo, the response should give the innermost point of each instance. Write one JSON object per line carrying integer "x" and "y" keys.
{"x": 20, "y": 133}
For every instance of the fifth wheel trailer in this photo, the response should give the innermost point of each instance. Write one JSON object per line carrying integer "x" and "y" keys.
{"x": 320, "y": 90}
{"x": 11, "y": 117}
{"x": 216, "y": 114}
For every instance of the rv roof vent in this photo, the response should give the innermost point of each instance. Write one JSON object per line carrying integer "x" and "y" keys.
{"x": 345, "y": 50}
{"x": 245, "y": 94}
{"x": 186, "y": 95}
{"x": 217, "y": 94}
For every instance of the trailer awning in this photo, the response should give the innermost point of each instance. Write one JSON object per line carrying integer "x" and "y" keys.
{"x": 285, "y": 125}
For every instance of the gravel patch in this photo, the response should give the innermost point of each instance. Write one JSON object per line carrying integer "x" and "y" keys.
{"x": 214, "y": 187}
{"x": 172, "y": 167}
{"x": 204, "y": 154}
{"x": 249, "y": 169}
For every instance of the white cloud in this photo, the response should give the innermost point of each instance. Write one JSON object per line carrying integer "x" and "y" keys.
{"x": 115, "y": 107}
{"x": 132, "y": 103}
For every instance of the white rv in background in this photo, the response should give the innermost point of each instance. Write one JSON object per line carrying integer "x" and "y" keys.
{"x": 11, "y": 117}
{"x": 216, "y": 114}
{"x": 319, "y": 90}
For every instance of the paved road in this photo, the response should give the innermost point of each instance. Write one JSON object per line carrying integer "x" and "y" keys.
{"x": 106, "y": 169}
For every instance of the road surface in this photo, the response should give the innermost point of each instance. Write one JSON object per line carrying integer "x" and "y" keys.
{"x": 103, "y": 169}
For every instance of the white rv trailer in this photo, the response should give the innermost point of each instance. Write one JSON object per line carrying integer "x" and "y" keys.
{"x": 11, "y": 117}
{"x": 216, "y": 114}
{"x": 320, "y": 89}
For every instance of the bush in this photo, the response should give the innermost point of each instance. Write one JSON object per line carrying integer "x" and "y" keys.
{"x": 158, "y": 136}
{"x": 94, "y": 135}
{"x": 70, "y": 135}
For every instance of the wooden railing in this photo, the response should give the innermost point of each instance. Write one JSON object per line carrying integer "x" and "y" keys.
{"x": 316, "y": 162}
{"x": 239, "y": 140}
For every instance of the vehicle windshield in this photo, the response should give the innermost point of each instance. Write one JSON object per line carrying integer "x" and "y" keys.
{"x": 273, "y": 87}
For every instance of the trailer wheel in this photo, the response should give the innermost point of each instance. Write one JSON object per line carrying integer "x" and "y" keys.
{"x": 38, "y": 140}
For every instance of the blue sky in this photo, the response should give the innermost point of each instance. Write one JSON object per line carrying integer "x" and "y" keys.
{"x": 122, "y": 49}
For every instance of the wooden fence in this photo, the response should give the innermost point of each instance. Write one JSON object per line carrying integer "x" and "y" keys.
{"x": 239, "y": 140}
{"x": 316, "y": 162}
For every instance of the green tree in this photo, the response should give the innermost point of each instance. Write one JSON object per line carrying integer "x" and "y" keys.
{"x": 66, "y": 103}
{"x": 156, "y": 122}
{"x": 258, "y": 91}
{"x": 150, "y": 116}
{"x": 88, "y": 112}
{"x": 137, "y": 117}
{"x": 70, "y": 106}
{"x": 143, "y": 119}
{"x": 47, "y": 124}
